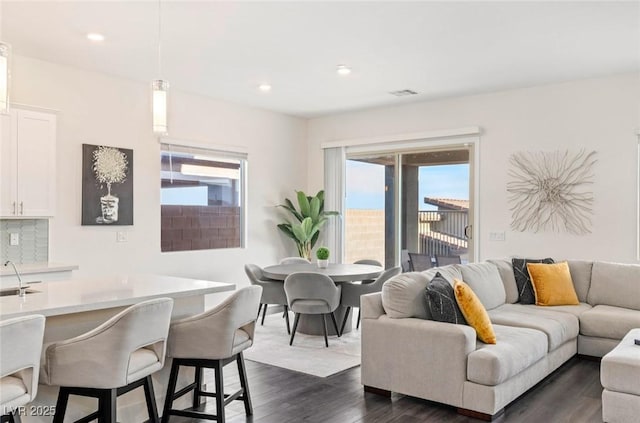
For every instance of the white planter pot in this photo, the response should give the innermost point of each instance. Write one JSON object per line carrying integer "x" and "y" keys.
{"x": 323, "y": 264}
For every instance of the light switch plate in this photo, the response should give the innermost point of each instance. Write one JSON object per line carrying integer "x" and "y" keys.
{"x": 496, "y": 236}
{"x": 14, "y": 239}
{"x": 122, "y": 237}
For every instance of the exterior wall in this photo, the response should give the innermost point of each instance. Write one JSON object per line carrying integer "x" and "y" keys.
{"x": 365, "y": 235}
{"x": 186, "y": 228}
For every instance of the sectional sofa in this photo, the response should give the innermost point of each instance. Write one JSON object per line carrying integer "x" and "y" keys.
{"x": 404, "y": 351}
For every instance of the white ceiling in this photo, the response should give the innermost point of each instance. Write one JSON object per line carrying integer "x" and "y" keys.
{"x": 439, "y": 49}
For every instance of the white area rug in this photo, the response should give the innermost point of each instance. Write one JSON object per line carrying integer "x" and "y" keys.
{"x": 308, "y": 353}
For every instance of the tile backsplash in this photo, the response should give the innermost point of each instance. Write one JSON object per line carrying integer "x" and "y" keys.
{"x": 33, "y": 235}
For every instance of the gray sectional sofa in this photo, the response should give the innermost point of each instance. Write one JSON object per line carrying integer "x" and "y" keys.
{"x": 404, "y": 351}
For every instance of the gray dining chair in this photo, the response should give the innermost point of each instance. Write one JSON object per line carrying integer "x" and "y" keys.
{"x": 446, "y": 260}
{"x": 370, "y": 262}
{"x": 20, "y": 351}
{"x": 312, "y": 293}
{"x": 211, "y": 340}
{"x": 116, "y": 357}
{"x": 351, "y": 293}
{"x": 272, "y": 292}
{"x": 420, "y": 262}
{"x": 405, "y": 261}
{"x": 294, "y": 260}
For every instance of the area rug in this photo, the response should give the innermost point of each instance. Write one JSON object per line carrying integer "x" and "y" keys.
{"x": 308, "y": 353}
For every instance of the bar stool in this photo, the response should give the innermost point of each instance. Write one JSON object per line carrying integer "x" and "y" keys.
{"x": 20, "y": 351}
{"x": 110, "y": 360}
{"x": 211, "y": 340}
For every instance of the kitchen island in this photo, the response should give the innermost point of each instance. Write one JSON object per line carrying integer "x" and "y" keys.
{"x": 75, "y": 306}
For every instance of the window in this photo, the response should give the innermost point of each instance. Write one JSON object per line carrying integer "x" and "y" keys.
{"x": 202, "y": 198}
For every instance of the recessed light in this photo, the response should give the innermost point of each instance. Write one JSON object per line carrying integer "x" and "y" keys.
{"x": 94, "y": 36}
{"x": 264, "y": 88}
{"x": 343, "y": 70}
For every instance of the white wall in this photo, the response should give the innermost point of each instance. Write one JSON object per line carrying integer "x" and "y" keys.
{"x": 600, "y": 114}
{"x": 99, "y": 109}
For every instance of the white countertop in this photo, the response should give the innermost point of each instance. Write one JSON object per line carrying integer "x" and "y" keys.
{"x": 40, "y": 267}
{"x": 78, "y": 295}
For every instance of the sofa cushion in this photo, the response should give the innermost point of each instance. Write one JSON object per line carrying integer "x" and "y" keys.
{"x": 474, "y": 312}
{"x": 609, "y": 322}
{"x": 581, "y": 277}
{"x": 558, "y": 326}
{"x": 485, "y": 281}
{"x": 523, "y": 281}
{"x": 516, "y": 350}
{"x": 450, "y": 272}
{"x": 505, "y": 269}
{"x": 552, "y": 284}
{"x": 442, "y": 302}
{"x": 576, "y": 310}
{"x": 403, "y": 296}
{"x": 615, "y": 284}
{"x": 620, "y": 368}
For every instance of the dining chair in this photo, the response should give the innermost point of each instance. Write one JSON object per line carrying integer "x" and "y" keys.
{"x": 272, "y": 292}
{"x": 211, "y": 340}
{"x": 294, "y": 260}
{"x": 420, "y": 262}
{"x": 20, "y": 351}
{"x": 116, "y": 357}
{"x": 405, "y": 261}
{"x": 351, "y": 293}
{"x": 312, "y": 293}
{"x": 370, "y": 262}
{"x": 446, "y": 260}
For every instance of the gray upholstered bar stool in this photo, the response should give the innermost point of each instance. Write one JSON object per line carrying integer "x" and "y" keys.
{"x": 20, "y": 351}
{"x": 110, "y": 360}
{"x": 312, "y": 293}
{"x": 211, "y": 340}
{"x": 351, "y": 292}
{"x": 272, "y": 292}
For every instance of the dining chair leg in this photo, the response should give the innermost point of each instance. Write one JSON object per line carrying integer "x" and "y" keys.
{"x": 358, "y": 323}
{"x": 219, "y": 391}
{"x": 198, "y": 387}
{"x": 61, "y": 405}
{"x": 295, "y": 326}
{"x": 286, "y": 317}
{"x": 242, "y": 372}
{"x": 107, "y": 405}
{"x": 264, "y": 313}
{"x": 324, "y": 326}
{"x": 259, "y": 310}
{"x": 171, "y": 389}
{"x": 152, "y": 408}
{"x": 335, "y": 324}
{"x": 344, "y": 321}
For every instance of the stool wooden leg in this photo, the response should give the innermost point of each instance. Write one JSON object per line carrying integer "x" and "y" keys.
{"x": 324, "y": 326}
{"x": 107, "y": 406}
{"x": 61, "y": 405}
{"x": 150, "y": 396}
{"x": 295, "y": 326}
{"x": 358, "y": 324}
{"x": 219, "y": 391}
{"x": 15, "y": 418}
{"x": 171, "y": 389}
{"x": 264, "y": 313}
{"x": 198, "y": 387}
{"x": 286, "y": 316}
{"x": 242, "y": 371}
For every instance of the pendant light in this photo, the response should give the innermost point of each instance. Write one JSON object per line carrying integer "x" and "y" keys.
{"x": 159, "y": 89}
{"x": 5, "y": 61}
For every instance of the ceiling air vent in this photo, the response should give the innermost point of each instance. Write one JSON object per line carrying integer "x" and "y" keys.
{"x": 403, "y": 93}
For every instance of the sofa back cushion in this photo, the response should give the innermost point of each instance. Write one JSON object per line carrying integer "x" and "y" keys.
{"x": 403, "y": 296}
{"x": 581, "y": 276}
{"x": 615, "y": 284}
{"x": 485, "y": 281}
{"x": 505, "y": 269}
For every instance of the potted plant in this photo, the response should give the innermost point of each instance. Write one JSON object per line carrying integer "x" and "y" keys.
{"x": 310, "y": 217}
{"x": 322, "y": 255}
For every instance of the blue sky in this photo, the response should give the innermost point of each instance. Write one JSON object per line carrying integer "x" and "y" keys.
{"x": 365, "y": 184}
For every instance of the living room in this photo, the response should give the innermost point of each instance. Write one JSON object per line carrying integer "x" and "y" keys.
{"x": 505, "y": 77}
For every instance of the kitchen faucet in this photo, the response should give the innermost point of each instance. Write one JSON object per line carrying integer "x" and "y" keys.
{"x": 22, "y": 291}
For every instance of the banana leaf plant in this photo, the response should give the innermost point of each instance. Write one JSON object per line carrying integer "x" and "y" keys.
{"x": 310, "y": 217}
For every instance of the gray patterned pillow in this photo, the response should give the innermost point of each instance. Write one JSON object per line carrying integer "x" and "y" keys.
{"x": 523, "y": 280}
{"x": 442, "y": 301}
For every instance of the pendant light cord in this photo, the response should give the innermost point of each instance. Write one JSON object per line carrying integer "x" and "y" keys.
{"x": 159, "y": 39}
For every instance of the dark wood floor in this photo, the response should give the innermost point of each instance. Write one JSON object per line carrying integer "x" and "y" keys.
{"x": 571, "y": 394}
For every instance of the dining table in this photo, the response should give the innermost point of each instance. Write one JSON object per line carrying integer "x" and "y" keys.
{"x": 339, "y": 273}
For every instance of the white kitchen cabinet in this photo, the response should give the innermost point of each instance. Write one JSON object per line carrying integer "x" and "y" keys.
{"x": 27, "y": 164}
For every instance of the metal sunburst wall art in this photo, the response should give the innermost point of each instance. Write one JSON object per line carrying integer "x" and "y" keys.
{"x": 551, "y": 191}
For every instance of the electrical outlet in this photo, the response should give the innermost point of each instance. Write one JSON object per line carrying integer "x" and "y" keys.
{"x": 122, "y": 237}
{"x": 496, "y": 236}
{"x": 14, "y": 239}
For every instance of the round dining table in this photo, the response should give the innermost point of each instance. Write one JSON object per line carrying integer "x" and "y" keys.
{"x": 339, "y": 273}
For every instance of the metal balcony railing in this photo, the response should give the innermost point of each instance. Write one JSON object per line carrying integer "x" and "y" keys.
{"x": 443, "y": 232}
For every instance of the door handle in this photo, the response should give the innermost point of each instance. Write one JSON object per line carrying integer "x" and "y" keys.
{"x": 21, "y": 207}
{"x": 15, "y": 208}
{"x": 468, "y": 231}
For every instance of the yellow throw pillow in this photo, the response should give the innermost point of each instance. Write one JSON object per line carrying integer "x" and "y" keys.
{"x": 552, "y": 284}
{"x": 474, "y": 312}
